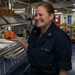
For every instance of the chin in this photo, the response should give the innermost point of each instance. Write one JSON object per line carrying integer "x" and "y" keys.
{"x": 39, "y": 26}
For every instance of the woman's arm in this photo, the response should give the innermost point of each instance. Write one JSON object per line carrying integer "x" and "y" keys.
{"x": 63, "y": 53}
{"x": 63, "y": 72}
{"x": 21, "y": 41}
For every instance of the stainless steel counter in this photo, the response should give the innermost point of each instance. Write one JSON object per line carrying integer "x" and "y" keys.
{"x": 10, "y": 51}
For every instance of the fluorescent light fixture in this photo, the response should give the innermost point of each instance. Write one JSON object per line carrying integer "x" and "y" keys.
{"x": 73, "y": 9}
{"x": 58, "y": 13}
{"x": 46, "y": 0}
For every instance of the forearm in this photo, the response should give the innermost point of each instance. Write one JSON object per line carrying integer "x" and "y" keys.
{"x": 23, "y": 43}
{"x": 63, "y": 72}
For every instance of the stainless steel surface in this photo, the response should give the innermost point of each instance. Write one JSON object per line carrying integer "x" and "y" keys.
{"x": 4, "y": 51}
{"x": 15, "y": 21}
{"x": 14, "y": 18}
{"x": 6, "y": 41}
{"x": 19, "y": 52}
{"x": 8, "y": 48}
{"x": 12, "y": 49}
{"x": 2, "y": 21}
{"x": 3, "y": 46}
{"x": 15, "y": 54}
{"x": 17, "y": 24}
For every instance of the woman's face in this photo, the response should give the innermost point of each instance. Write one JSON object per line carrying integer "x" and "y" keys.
{"x": 42, "y": 17}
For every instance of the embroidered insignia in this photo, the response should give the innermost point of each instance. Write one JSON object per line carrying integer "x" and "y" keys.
{"x": 35, "y": 31}
{"x": 46, "y": 49}
{"x": 42, "y": 48}
{"x": 49, "y": 34}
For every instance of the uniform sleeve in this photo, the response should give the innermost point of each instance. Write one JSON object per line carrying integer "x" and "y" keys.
{"x": 63, "y": 53}
{"x": 29, "y": 39}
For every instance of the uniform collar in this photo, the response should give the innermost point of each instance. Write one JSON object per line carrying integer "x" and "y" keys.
{"x": 50, "y": 30}
{"x": 48, "y": 33}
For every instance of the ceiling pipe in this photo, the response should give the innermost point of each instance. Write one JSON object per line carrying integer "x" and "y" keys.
{"x": 24, "y": 3}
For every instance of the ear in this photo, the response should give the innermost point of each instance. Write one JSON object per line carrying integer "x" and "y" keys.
{"x": 51, "y": 16}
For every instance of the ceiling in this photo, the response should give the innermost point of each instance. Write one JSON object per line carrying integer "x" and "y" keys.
{"x": 34, "y": 1}
{"x": 60, "y": 5}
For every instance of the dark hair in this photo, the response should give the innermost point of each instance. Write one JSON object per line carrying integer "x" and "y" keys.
{"x": 48, "y": 6}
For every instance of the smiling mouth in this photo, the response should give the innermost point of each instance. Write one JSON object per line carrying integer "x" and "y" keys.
{"x": 39, "y": 21}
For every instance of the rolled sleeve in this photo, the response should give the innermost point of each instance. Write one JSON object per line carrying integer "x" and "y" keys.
{"x": 63, "y": 53}
{"x": 64, "y": 65}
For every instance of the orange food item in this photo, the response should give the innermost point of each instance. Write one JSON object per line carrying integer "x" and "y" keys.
{"x": 9, "y": 35}
{"x": 12, "y": 33}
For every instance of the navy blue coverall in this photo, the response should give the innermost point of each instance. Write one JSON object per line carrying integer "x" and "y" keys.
{"x": 50, "y": 52}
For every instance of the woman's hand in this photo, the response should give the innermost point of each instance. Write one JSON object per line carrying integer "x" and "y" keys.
{"x": 16, "y": 38}
{"x": 63, "y": 72}
{"x": 22, "y": 42}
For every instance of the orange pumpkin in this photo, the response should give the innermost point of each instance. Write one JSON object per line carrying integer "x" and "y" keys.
{"x": 9, "y": 35}
{"x": 12, "y": 33}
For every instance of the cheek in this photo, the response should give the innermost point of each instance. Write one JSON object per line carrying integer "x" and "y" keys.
{"x": 46, "y": 17}
{"x": 47, "y": 20}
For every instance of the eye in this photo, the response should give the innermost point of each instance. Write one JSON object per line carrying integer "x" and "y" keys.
{"x": 35, "y": 15}
{"x": 40, "y": 14}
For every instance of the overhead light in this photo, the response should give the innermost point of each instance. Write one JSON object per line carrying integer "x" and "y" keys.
{"x": 58, "y": 13}
{"x": 46, "y": 0}
{"x": 73, "y": 4}
{"x": 73, "y": 9}
{"x": 55, "y": 10}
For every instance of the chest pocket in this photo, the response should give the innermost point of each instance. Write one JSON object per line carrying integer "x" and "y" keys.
{"x": 47, "y": 47}
{"x": 46, "y": 50}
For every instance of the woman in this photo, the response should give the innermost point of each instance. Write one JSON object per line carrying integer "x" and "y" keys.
{"x": 48, "y": 47}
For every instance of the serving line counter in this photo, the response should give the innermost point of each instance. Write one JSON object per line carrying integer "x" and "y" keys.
{"x": 12, "y": 55}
